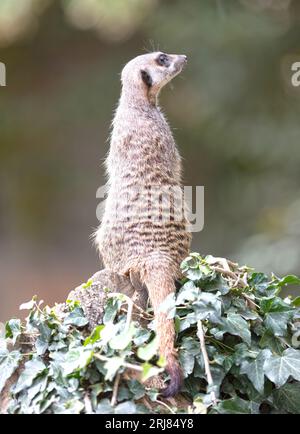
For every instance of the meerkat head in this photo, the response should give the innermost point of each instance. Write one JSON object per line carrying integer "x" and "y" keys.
{"x": 145, "y": 75}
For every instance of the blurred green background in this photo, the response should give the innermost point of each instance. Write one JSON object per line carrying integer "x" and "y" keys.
{"x": 234, "y": 112}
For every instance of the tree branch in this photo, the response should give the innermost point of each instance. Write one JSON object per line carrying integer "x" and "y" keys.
{"x": 210, "y": 382}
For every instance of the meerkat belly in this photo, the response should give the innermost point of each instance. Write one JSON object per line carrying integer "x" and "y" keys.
{"x": 139, "y": 221}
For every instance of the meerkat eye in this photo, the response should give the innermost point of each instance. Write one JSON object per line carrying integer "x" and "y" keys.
{"x": 163, "y": 60}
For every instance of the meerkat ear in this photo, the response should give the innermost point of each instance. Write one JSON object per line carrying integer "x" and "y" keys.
{"x": 146, "y": 77}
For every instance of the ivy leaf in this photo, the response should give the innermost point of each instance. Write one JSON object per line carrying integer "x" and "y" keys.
{"x": 123, "y": 339}
{"x": 268, "y": 340}
{"x": 41, "y": 346}
{"x": 296, "y": 301}
{"x": 28, "y": 305}
{"x": 127, "y": 407}
{"x": 191, "y": 261}
{"x": 218, "y": 284}
{"x": 9, "y": 362}
{"x": 260, "y": 281}
{"x": 141, "y": 337}
{"x": 72, "y": 406}
{"x": 76, "y": 359}
{"x": 31, "y": 370}
{"x": 94, "y": 336}
{"x": 187, "y": 362}
{"x": 254, "y": 370}
{"x": 287, "y": 398}
{"x": 279, "y": 368}
{"x": 13, "y": 329}
{"x": 234, "y": 405}
{"x": 188, "y": 292}
{"x": 274, "y": 304}
{"x": 148, "y": 351}
{"x": 136, "y": 388}
{"x": 112, "y": 366}
{"x": 111, "y": 309}
{"x": 104, "y": 407}
{"x": 149, "y": 371}
{"x": 186, "y": 322}
{"x": 207, "y": 306}
{"x": 277, "y": 322}
{"x": 196, "y": 269}
{"x": 291, "y": 279}
{"x": 236, "y": 325}
{"x": 76, "y": 318}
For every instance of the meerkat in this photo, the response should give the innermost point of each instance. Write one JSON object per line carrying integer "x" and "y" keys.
{"x": 134, "y": 237}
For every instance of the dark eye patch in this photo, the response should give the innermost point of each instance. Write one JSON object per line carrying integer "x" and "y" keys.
{"x": 146, "y": 77}
{"x": 163, "y": 60}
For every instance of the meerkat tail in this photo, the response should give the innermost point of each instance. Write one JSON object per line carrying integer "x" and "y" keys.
{"x": 160, "y": 284}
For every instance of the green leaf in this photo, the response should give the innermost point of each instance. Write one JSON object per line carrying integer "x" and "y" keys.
{"x": 236, "y": 325}
{"x": 112, "y": 366}
{"x": 274, "y": 304}
{"x": 72, "y": 406}
{"x": 31, "y": 370}
{"x": 273, "y": 343}
{"x": 9, "y": 362}
{"x": 279, "y": 368}
{"x": 191, "y": 261}
{"x": 187, "y": 362}
{"x": 188, "y": 292}
{"x": 196, "y": 274}
{"x": 254, "y": 370}
{"x": 88, "y": 284}
{"x": 127, "y": 407}
{"x": 141, "y": 337}
{"x": 149, "y": 371}
{"x": 111, "y": 309}
{"x": 289, "y": 280}
{"x": 277, "y": 322}
{"x": 296, "y": 301}
{"x": 94, "y": 336}
{"x": 219, "y": 284}
{"x": 123, "y": 339}
{"x": 260, "y": 281}
{"x": 207, "y": 306}
{"x": 29, "y": 305}
{"x": 287, "y": 398}
{"x": 75, "y": 359}
{"x": 76, "y": 318}
{"x": 186, "y": 322}
{"x": 234, "y": 406}
{"x": 148, "y": 351}
{"x": 13, "y": 329}
{"x": 104, "y": 407}
{"x": 136, "y": 388}
{"x": 41, "y": 346}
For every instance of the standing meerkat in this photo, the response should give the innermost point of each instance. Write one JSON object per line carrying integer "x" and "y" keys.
{"x": 137, "y": 237}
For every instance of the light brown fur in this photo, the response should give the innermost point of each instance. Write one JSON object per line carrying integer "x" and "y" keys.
{"x": 133, "y": 237}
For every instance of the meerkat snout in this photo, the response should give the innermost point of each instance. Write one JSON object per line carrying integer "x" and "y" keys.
{"x": 180, "y": 62}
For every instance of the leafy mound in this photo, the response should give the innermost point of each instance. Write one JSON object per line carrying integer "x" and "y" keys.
{"x": 237, "y": 340}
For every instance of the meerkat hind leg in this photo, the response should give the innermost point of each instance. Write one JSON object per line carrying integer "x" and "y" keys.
{"x": 140, "y": 296}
